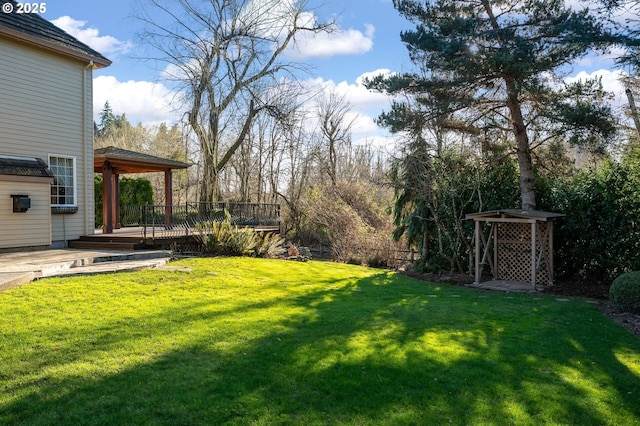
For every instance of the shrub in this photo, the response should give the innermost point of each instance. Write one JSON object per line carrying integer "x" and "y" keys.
{"x": 625, "y": 291}
{"x": 242, "y": 242}
{"x": 222, "y": 237}
{"x": 269, "y": 245}
{"x": 600, "y": 236}
{"x": 353, "y": 260}
{"x": 214, "y": 236}
{"x": 348, "y": 217}
{"x": 381, "y": 259}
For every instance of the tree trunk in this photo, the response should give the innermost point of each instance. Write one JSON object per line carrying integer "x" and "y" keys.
{"x": 332, "y": 160}
{"x": 634, "y": 110}
{"x": 523, "y": 150}
{"x": 207, "y": 181}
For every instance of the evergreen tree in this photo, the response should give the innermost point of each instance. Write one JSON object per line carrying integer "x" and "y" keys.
{"x": 498, "y": 64}
{"x": 107, "y": 119}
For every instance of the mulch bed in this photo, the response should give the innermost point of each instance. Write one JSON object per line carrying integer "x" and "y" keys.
{"x": 598, "y": 290}
{"x": 592, "y": 289}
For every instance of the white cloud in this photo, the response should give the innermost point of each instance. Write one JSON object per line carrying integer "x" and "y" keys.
{"x": 337, "y": 42}
{"x": 365, "y": 106}
{"x": 141, "y": 101}
{"x": 106, "y": 45}
{"x": 362, "y": 98}
{"x": 355, "y": 93}
{"x": 173, "y": 72}
{"x": 272, "y": 18}
{"x": 596, "y": 61}
{"x": 610, "y": 82}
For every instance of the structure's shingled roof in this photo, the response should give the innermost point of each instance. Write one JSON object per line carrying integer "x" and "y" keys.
{"x": 133, "y": 162}
{"x": 32, "y": 28}
{"x": 515, "y": 213}
{"x": 31, "y": 167}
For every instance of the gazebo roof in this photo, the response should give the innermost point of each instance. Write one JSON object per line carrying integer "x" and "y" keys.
{"x": 124, "y": 161}
{"x": 514, "y": 213}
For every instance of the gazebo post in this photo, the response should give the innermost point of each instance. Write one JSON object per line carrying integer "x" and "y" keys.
{"x": 533, "y": 253}
{"x": 168, "y": 197}
{"x": 494, "y": 228}
{"x": 107, "y": 198}
{"x": 477, "y": 251}
{"x": 116, "y": 201}
{"x": 550, "y": 251}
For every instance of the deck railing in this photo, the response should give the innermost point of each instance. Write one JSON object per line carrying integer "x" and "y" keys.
{"x": 160, "y": 221}
{"x": 131, "y": 216}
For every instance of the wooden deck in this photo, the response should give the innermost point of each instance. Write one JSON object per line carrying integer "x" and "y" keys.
{"x": 162, "y": 226}
{"x": 124, "y": 232}
{"x": 120, "y": 239}
{"x": 140, "y": 237}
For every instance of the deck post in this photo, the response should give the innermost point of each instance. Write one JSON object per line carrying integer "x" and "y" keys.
{"x": 144, "y": 223}
{"x": 107, "y": 199}
{"x": 116, "y": 201}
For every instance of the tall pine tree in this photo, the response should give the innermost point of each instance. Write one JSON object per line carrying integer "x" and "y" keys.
{"x": 482, "y": 58}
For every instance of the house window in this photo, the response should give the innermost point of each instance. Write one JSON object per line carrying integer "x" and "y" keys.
{"x": 63, "y": 190}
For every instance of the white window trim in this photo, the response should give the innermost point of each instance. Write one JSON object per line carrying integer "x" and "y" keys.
{"x": 75, "y": 179}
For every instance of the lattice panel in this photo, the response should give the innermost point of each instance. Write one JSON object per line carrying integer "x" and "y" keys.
{"x": 188, "y": 247}
{"x": 514, "y": 252}
{"x": 542, "y": 243}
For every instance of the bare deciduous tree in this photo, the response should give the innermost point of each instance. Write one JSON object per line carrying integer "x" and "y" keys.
{"x": 335, "y": 127}
{"x": 224, "y": 54}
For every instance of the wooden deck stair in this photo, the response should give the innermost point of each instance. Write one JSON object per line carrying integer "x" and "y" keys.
{"x": 111, "y": 242}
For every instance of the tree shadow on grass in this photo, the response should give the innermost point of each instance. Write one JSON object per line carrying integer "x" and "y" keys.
{"x": 379, "y": 350}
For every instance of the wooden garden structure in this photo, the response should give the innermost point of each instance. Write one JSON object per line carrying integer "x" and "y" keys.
{"x": 516, "y": 244}
{"x": 112, "y": 162}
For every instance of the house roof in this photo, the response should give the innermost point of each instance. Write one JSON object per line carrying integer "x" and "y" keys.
{"x": 26, "y": 167}
{"x": 31, "y": 28}
{"x": 124, "y": 161}
{"x": 515, "y": 213}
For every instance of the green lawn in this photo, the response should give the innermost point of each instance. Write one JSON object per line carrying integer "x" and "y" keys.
{"x": 250, "y": 341}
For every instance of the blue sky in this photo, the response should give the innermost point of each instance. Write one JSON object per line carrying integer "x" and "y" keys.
{"x": 368, "y": 41}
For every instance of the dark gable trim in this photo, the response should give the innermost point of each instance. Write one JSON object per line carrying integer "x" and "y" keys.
{"x": 32, "y": 29}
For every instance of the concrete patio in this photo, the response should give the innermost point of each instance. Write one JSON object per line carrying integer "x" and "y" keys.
{"x": 22, "y": 267}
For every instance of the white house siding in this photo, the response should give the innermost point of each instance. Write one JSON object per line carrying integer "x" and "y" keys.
{"x": 43, "y": 113}
{"x": 29, "y": 229}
